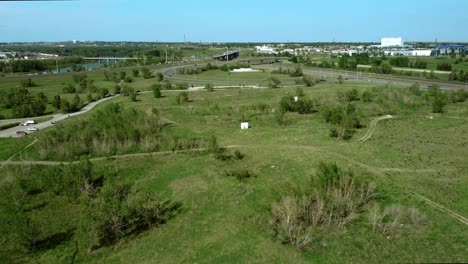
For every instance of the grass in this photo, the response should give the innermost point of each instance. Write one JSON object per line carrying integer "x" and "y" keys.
{"x": 10, "y": 146}
{"x": 225, "y": 220}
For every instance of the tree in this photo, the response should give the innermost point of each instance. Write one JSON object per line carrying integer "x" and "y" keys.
{"x": 156, "y": 90}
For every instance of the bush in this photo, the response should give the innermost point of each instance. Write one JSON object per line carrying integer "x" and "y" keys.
{"x": 209, "y": 87}
{"x": 156, "y": 90}
{"x": 302, "y": 106}
{"x": 182, "y": 86}
{"x": 273, "y": 82}
{"x": 330, "y": 200}
{"x": 135, "y": 73}
{"x": 415, "y": 89}
{"x": 146, "y": 73}
{"x": 439, "y": 102}
{"x": 351, "y": 95}
{"x": 69, "y": 88}
{"x": 444, "y": 66}
{"x": 182, "y": 98}
{"x": 240, "y": 174}
{"x": 367, "y": 96}
{"x": 395, "y": 219}
{"x": 118, "y": 211}
{"x": 27, "y": 83}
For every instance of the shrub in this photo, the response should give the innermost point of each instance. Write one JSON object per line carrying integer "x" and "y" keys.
{"x": 240, "y": 174}
{"x": 351, "y": 95}
{"x": 182, "y": 98}
{"x": 209, "y": 87}
{"x": 367, "y": 96}
{"x": 69, "y": 88}
{"x": 415, "y": 89}
{"x": 274, "y": 82}
{"x": 146, "y": 73}
{"x": 156, "y": 90}
{"x": 395, "y": 219}
{"x": 27, "y": 83}
{"x": 331, "y": 199}
{"x": 118, "y": 211}
{"x": 182, "y": 86}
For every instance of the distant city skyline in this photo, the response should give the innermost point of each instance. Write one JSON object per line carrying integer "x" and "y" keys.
{"x": 240, "y": 21}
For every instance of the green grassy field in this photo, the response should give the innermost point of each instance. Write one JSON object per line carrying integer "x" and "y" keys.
{"x": 225, "y": 220}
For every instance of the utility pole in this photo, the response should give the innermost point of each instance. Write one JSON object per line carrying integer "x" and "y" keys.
{"x": 56, "y": 63}
{"x": 166, "y": 56}
{"x": 227, "y": 53}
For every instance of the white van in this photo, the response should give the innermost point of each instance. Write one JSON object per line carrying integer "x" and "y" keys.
{"x": 27, "y": 123}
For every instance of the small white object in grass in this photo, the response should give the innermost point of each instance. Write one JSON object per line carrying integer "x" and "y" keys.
{"x": 244, "y": 70}
{"x": 430, "y": 117}
{"x": 244, "y": 125}
{"x": 296, "y": 98}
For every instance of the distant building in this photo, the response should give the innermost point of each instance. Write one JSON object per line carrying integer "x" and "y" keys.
{"x": 265, "y": 49}
{"x": 391, "y": 42}
{"x": 411, "y": 52}
{"x": 447, "y": 49}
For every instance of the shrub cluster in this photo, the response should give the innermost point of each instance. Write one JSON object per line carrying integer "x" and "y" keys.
{"x": 331, "y": 199}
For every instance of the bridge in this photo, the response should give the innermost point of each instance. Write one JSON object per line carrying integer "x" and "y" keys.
{"x": 228, "y": 55}
{"x": 109, "y": 59}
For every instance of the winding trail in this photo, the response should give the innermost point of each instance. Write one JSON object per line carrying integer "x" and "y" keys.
{"x": 373, "y": 125}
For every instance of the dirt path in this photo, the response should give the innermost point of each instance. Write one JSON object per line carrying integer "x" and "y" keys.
{"x": 372, "y": 127}
{"x": 9, "y": 160}
{"x": 57, "y": 163}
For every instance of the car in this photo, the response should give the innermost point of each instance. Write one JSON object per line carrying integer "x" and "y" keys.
{"x": 21, "y": 133}
{"x": 54, "y": 122}
{"x": 33, "y": 129}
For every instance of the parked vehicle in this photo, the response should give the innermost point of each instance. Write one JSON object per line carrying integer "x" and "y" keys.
{"x": 33, "y": 129}
{"x": 21, "y": 133}
{"x": 54, "y": 122}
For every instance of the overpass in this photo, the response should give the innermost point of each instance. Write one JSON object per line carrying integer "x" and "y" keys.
{"x": 228, "y": 55}
{"x": 109, "y": 59}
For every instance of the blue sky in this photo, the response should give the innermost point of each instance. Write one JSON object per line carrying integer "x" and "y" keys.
{"x": 234, "y": 21}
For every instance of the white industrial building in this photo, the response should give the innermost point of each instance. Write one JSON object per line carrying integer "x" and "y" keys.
{"x": 391, "y": 42}
{"x": 411, "y": 52}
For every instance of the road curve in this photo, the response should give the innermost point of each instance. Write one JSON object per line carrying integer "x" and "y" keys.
{"x": 11, "y": 132}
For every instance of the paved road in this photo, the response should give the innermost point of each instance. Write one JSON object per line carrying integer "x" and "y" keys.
{"x": 11, "y": 132}
{"x": 367, "y": 77}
